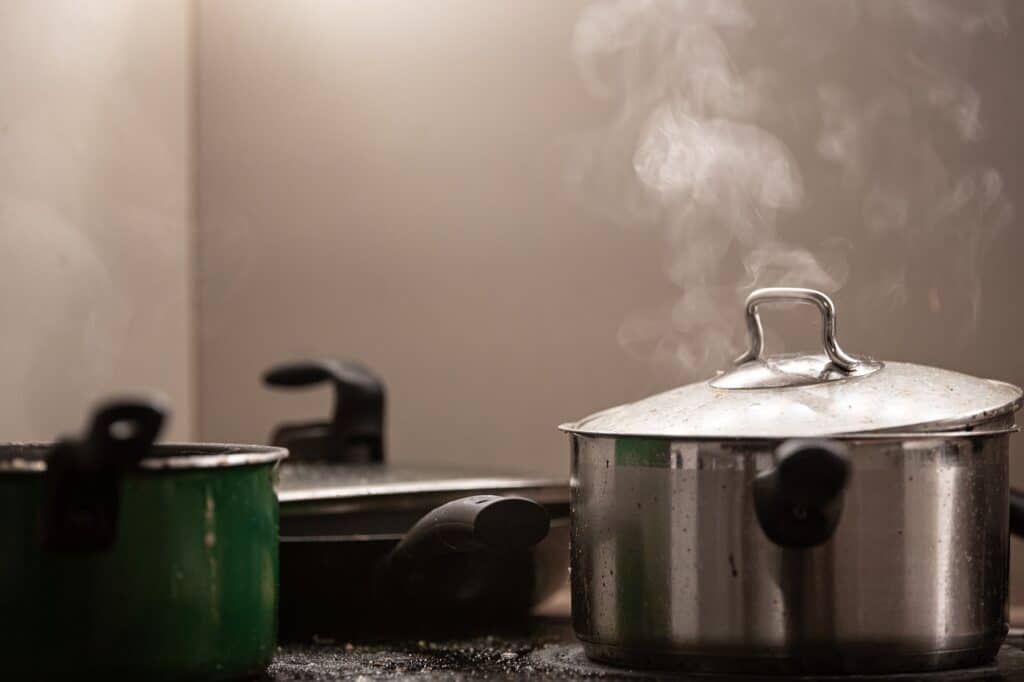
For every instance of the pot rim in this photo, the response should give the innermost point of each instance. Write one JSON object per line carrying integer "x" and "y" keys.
{"x": 552, "y": 490}
{"x": 876, "y": 436}
{"x": 28, "y": 457}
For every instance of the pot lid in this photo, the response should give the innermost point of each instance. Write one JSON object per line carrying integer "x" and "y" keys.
{"x": 304, "y": 482}
{"x": 829, "y": 394}
{"x": 331, "y": 499}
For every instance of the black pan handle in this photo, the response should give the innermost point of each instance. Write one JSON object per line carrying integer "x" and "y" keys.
{"x": 1017, "y": 513}
{"x": 83, "y": 477}
{"x": 463, "y": 555}
{"x": 355, "y": 432}
{"x": 472, "y": 524}
{"x": 800, "y": 499}
{"x": 344, "y": 376}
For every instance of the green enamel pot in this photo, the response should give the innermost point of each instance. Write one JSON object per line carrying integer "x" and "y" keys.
{"x": 125, "y": 560}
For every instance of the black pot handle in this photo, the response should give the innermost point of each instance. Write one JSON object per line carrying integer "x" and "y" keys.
{"x": 1017, "y": 513}
{"x": 355, "y": 432}
{"x": 472, "y": 524}
{"x": 800, "y": 499}
{"x": 123, "y": 432}
{"x": 83, "y": 477}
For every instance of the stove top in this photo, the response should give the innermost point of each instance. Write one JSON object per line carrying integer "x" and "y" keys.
{"x": 544, "y": 648}
{"x": 499, "y": 655}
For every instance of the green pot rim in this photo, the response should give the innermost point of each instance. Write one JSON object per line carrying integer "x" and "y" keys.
{"x": 29, "y": 458}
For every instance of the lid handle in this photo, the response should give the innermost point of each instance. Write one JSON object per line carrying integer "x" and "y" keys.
{"x": 840, "y": 358}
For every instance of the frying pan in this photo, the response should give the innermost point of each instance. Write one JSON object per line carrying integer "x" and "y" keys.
{"x": 373, "y": 551}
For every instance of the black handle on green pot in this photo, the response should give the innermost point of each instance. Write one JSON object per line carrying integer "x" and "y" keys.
{"x": 472, "y": 524}
{"x": 800, "y": 499}
{"x": 83, "y": 476}
{"x": 355, "y": 432}
{"x": 1016, "y": 512}
{"x": 123, "y": 431}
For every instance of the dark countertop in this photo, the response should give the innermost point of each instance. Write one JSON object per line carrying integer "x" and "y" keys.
{"x": 544, "y": 648}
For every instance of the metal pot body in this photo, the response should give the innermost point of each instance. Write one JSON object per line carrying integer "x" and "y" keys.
{"x": 671, "y": 567}
{"x": 188, "y": 590}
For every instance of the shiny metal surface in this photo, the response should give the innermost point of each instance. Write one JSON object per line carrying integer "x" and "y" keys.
{"x": 789, "y": 369}
{"x": 670, "y": 566}
{"x": 310, "y": 482}
{"x": 841, "y": 359}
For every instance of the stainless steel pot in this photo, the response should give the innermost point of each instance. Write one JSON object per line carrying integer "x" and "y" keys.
{"x": 797, "y": 514}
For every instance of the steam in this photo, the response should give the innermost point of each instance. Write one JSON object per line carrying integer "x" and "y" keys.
{"x": 789, "y": 143}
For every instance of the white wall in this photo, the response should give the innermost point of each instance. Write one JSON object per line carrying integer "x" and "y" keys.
{"x": 384, "y": 182}
{"x": 95, "y": 212}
